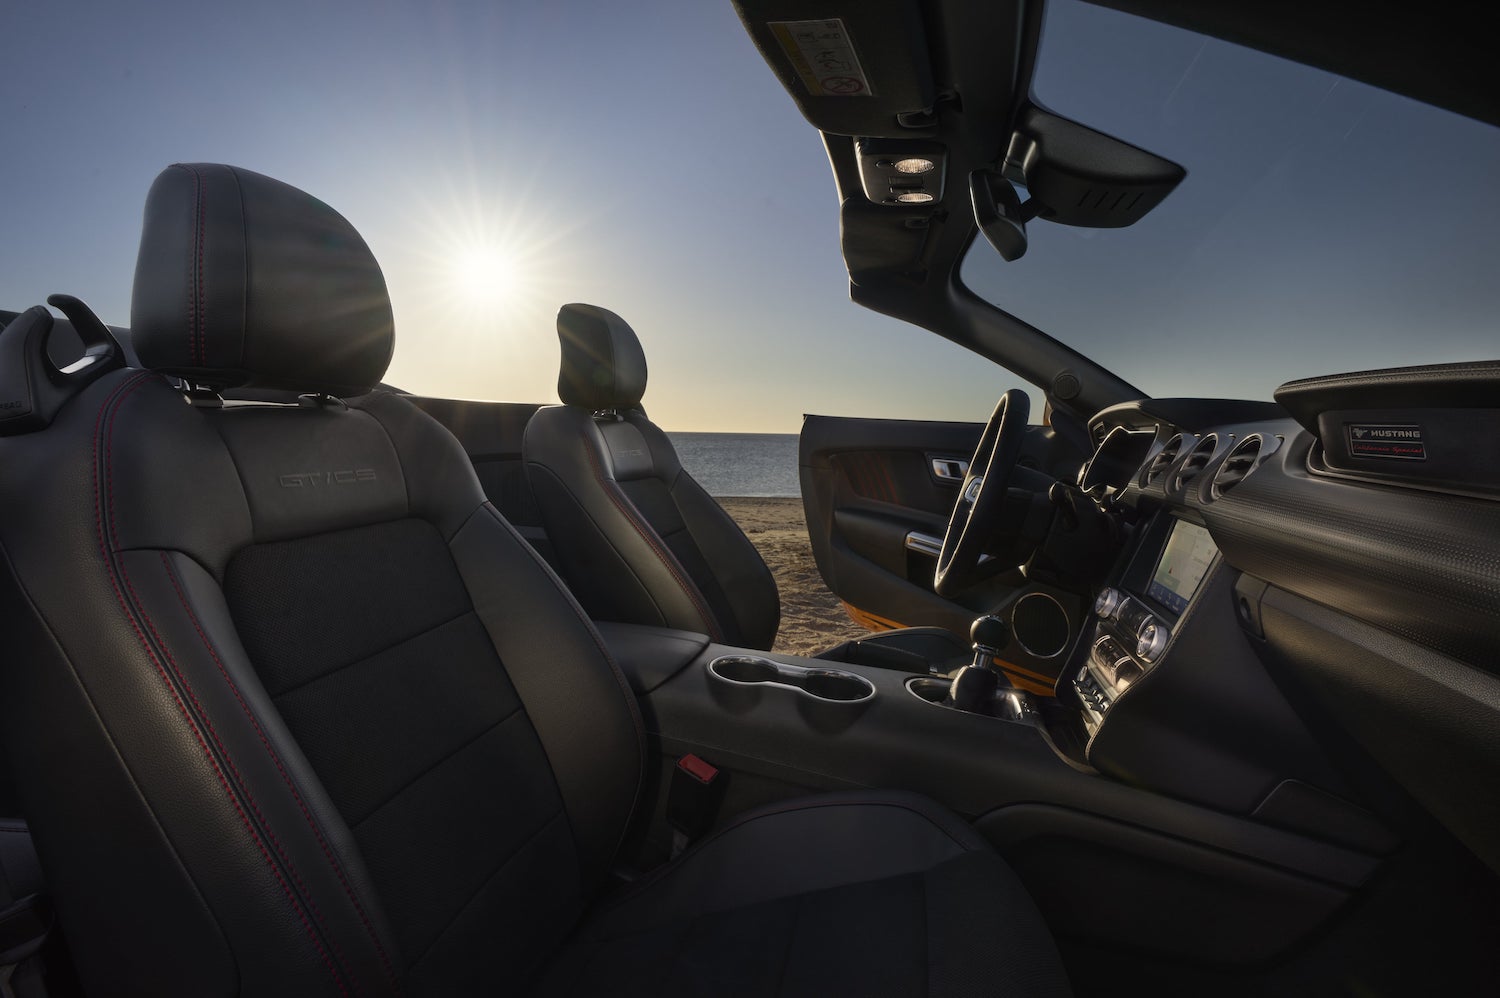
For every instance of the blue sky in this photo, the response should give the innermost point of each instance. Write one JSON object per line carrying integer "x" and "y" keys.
{"x": 504, "y": 158}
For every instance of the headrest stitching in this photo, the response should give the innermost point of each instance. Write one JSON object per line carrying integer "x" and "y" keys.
{"x": 202, "y": 188}
{"x": 197, "y": 350}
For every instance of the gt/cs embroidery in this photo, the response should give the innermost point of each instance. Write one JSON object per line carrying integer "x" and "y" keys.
{"x": 312, "y": 479}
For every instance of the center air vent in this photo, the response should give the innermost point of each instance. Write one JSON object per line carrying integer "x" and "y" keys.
{"x": 1197, "y": 460}
{"x": 1163, "y": 460}
{"x": 1239, "y": 463}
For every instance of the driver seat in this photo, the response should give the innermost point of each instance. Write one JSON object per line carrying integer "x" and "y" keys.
{"x": 638, "y": 540}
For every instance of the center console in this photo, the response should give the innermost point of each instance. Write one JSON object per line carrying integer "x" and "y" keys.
{"x": 780, "y": 726}
{"x": 1134, "y": 621}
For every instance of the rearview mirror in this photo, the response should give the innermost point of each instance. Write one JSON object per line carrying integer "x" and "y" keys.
{"x": 1077, "y": 176}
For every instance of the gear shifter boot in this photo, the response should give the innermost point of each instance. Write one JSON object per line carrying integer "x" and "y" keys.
{"x": 973, "y": 689}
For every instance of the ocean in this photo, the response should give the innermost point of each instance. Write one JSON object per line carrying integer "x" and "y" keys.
{"x": 740, "y": 464}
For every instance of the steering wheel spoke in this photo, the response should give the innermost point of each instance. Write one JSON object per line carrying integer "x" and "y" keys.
{"x": 975, "y": 524}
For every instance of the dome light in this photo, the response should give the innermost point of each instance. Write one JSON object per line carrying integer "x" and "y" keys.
{"x": 914, "y": 166}
{"x": 914, "y": 197}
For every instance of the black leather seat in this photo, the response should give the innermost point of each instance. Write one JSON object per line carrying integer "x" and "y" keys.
{"x": 295, "y": 711}
{"x": 636, "y": 537}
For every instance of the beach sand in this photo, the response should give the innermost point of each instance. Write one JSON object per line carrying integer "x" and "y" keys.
{"x": 812, "y": 618}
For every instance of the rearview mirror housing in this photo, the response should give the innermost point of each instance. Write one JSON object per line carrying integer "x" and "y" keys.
{"x": 1077, "y": 176}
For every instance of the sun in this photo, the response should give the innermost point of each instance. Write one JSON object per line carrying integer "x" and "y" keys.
{"x": 487, "y": 276}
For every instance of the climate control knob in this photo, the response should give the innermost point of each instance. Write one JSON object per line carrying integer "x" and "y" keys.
{"x": 1108, "y": 602}
{"x": 1151, "y": 639}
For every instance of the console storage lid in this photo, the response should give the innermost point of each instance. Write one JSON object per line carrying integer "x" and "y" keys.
{"x": 649, "y": 656}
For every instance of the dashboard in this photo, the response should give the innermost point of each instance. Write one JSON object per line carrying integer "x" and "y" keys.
{"x": 1285, "y": 583}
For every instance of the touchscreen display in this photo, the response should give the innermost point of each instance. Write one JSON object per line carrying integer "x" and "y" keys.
{"x": 1183, "y": 564}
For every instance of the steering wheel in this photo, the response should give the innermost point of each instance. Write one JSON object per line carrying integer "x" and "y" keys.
{"x": 975, "y": 523}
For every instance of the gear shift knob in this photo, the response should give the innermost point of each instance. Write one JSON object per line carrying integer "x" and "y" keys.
{"x": 989, "y": 633}
{"x": 974, "y": 687}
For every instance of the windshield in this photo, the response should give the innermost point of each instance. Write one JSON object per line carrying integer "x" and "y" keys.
{"x": 1324, "y": 225}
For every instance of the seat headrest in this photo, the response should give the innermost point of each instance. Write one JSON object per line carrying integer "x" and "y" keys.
{"x": 245, "y": 281}
{"x": 603, "y": 366}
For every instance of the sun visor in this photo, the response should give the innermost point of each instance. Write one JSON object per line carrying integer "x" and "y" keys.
{"x": 878, "y": 241}
{"x": 861, "y": 67}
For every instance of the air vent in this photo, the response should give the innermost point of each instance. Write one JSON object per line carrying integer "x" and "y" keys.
{"x": 1197, "y": 460}
{"x": 1163, "y": 460}
{"x": 1239, "y": 463}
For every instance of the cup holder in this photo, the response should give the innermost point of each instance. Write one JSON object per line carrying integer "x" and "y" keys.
{"x": 826, "y": 685}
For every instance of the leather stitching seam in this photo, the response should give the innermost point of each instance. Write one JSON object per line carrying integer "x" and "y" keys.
{"x": 197, "y": 347}
{"x": 286, "y": 778}
{"x": 668, "y": 561}
{"x": 117, "y": 574}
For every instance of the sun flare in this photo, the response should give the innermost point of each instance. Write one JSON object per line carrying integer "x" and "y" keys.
{"x": 487, "y": 276}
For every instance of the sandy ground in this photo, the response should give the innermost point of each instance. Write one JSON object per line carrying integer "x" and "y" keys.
{"x": 812, "y": 618}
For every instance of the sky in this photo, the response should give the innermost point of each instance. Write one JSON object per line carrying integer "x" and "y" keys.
{"x": 502, "y": 159}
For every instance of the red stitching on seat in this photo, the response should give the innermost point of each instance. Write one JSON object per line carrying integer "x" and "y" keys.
{"x": 627, "y": 509}
{"x": 285, "y": 776}
{"x": 197, "y": 349}
{"x": 116, "y": 575}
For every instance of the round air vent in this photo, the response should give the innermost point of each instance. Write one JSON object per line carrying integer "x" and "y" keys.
{"x": 1197, "y": 460}
{"x": 1040, "y": 625}
{"x": 1163, "y": 460}
{"x": 1240, "y": 462}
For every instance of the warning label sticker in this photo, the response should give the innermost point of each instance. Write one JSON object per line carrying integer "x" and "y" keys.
{"x": 1401, "y": 441}
{"x": 823, "y": 55}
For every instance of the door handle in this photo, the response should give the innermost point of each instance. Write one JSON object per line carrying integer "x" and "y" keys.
{"x": 949, "y": 469}
{"x": 932, "y": 546}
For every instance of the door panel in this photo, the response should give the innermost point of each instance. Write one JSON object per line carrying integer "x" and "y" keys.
{"x": 878, "y": 494}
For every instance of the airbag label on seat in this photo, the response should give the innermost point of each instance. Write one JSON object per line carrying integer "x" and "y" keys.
{"x": 1401, "y": 441}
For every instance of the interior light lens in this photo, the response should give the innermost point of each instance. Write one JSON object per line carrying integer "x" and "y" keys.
{"x": 914, "y": 165}
{"x": 914, "y": 197}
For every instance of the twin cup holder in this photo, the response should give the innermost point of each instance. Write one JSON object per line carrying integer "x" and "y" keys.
{"x": 829, "y": 686}
{"x": 826, "y": 700}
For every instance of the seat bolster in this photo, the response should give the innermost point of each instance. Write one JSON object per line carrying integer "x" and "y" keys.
{"x": 618, "y": 566}
{"x": 305, "y": 834}
{"x": 252, "y": 823}
{"x": 748, "y": 584}
{"x": 88, "y": 792}
{"x": 562, "y": 671}
{"x": 20, "y": 873}
{"x": 441, "y": 484}
{"x": 854, "y": 893}
{"x": 749, "y": 587}
{"x": 240, "y": 892}
{"x": 797, "y": 847}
